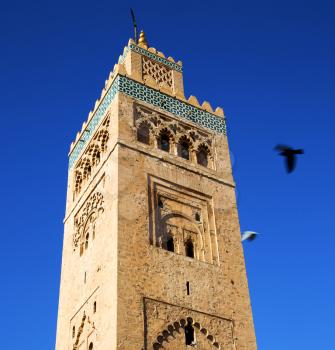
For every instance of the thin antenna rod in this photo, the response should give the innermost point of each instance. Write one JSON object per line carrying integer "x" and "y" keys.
{"x": 134, "y": 24}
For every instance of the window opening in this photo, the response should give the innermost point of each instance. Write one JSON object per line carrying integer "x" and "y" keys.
{"x": 184, "y": 150}
{"x": 188, "y": 287}
{"x": 164, "y": 142}
{"x": 189, "y": 249}
{"x": 202, "y": 156}
{"x": 170, "y": 244}
{"x": 189, "y": 334}
{"x": 86, "y": 240}
{"x": 143, "y": 134}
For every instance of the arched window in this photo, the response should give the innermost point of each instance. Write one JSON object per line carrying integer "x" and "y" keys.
{"x": 95, "y": 307}
{"x": 197, "y": 217}
{"x": 164, "y": 141}
{"x": 184, "y": 148}
{"x": 86, "y": 240}
{"x": 189, "y": 334}
{"x": 189, "y": 248}
{"x": 202, "y": 156}
{"x": 170, "y": 244}
{"x": 143, "y": 133}
{"x": 90, "y": 347}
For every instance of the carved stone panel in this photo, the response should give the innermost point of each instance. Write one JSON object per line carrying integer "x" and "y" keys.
{"x": 85, "y": 220}
{"x": 165, "y": 326}
{"x": 180, "y": 217}
{"x": 83, "y": 328}
{"x": 152, "y": 125}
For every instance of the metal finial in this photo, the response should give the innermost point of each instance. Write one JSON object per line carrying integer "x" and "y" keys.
{"x": 134, "y": 25}
{"x": 142, "y": 39}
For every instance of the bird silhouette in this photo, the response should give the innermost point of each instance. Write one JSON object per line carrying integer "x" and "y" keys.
{"x": 249, "y": 235}
{"x": 290, "y": 154}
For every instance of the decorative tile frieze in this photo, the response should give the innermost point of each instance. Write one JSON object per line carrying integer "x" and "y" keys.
{"x": 151, "y": 96}
{"x": 150, "y": 55}
{"x": 157, "y": 58}
{"x": 92, "y": 125}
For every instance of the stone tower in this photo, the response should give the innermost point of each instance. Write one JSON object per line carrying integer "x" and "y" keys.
{"x": 152, "y": 255}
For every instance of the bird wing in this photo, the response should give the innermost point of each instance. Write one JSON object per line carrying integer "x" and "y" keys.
{"x": 247, "y": 235}
{"x": 282, "y": 148}
{"x": 299, "y": 151}
{"x": 290, "y": 162}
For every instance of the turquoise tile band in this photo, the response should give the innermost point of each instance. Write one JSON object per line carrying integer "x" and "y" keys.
{"x": 150, "y": 55}
{"x": 151, "y": 96}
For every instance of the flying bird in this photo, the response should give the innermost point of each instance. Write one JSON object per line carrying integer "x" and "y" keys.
{"x": 249, "y": 235}
{"x": 290, "y": 154}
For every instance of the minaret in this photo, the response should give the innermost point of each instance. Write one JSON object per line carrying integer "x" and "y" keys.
{"x": 152, "y": 255}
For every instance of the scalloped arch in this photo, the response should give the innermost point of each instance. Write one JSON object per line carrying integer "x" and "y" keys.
{"x": 168, "y": 332}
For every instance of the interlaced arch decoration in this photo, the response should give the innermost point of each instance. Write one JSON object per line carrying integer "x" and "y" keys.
{"x": 85, "y": 220}
{"x": 177, "y": 131}
{"x": 92, "y": 156}
{"x": 176, "y": 329}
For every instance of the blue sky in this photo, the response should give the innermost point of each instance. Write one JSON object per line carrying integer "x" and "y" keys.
{"x": 269, "y": 64}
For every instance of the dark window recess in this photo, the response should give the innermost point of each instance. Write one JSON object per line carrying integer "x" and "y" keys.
{"x": 197, "y": 216}
{"x": 160, "y": 203}
{"x": 189, "y": 334}
{"x": 202, "y": 157}
{"x": 90, "y": 347}
{"x": 188, "y": 287}
{"x": 184, "y": 150}
{"x": 189, "y": 249}
{"x": 143, "y": 134}
{"x": 164, "y": 143}
{"x": 86, "y": 241}
{"x": 95, "y": 307}
{"x": 73, "y": 331}
{"x": 170, "y": 244}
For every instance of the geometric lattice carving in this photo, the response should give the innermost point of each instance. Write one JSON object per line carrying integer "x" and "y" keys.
{"x": 91, "y": 157}
{"x": 161, "y": 74}
{"x": 85, "y": 220}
